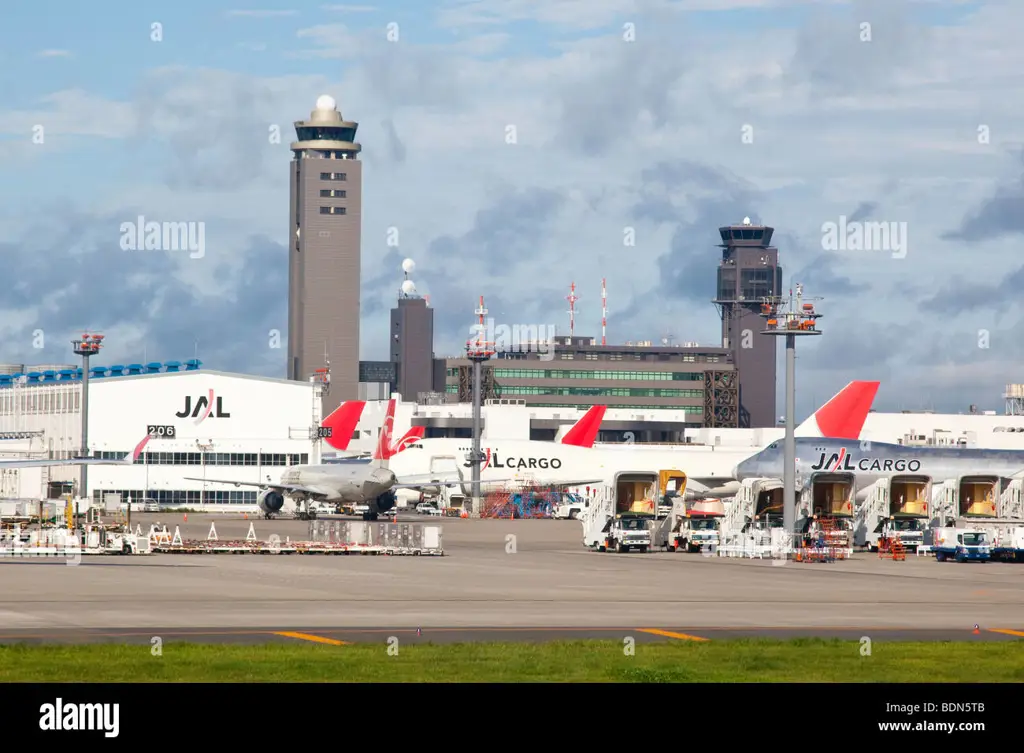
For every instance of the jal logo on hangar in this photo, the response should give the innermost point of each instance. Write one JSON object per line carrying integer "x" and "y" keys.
{"x": 206, "y": 406}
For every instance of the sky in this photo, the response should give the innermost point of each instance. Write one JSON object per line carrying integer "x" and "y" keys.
{"x": 513, "y": 147}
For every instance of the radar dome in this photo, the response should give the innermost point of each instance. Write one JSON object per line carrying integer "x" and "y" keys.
{"x": 326, "y": 102}
{"x": 408, "y": 266}
{"x": 408, "y": 287}
{"x": 746, "y": 220}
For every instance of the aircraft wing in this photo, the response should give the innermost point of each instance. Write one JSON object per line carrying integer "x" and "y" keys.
{"x": 715, "y": 486}
{"x": 128, "y": 459}
{"x": 283, "y": 488}
{"x": 422, "y": 480}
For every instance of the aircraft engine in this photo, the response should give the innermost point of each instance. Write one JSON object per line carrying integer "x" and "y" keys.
{"x": 385, "y": 501}
{"x": 270, "y": 501}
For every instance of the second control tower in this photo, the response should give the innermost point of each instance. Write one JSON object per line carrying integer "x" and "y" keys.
{"x": 749, "y": 271}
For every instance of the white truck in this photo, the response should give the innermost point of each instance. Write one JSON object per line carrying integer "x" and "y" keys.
{"x": 623, "y": 512}
{"x": 909, "y": 528}
{"x": 1009, "y": 545}
{"x": 571, "y": 507}
{"x": 625, "y": 532}
{"x": 962, "y": 545}
{"x": 696, "y": 531}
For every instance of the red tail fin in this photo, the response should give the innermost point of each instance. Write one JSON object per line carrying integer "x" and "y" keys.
{"x": 383, "y": 451}
{"x": 342, "y": 423}
{"x": 844, "y": 415}
{"x": 584, "y": 432}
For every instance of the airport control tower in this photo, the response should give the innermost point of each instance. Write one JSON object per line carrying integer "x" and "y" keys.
{"x": 325, "y": 221}
{"x": 749, "y": 271}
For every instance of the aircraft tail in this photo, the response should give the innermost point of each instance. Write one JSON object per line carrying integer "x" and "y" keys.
{"x": 844, "y": 415}
{"x": 131, "y": 457}
{"x": 342, "y": 423}
{"x": 383, "y": 451}
{"x": 387, "y": 449}
{"x": 584, "y": 432}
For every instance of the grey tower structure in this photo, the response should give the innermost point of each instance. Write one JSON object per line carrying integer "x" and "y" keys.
{"x": 748, "y": 273}
{"x": 324, "y": 236}
{"x": 412, "y": 346}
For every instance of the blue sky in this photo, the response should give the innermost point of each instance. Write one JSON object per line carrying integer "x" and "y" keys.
{"x": 612, "y": 134}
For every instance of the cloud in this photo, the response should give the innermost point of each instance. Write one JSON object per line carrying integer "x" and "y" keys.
{"x": 350, "y": 8}
{"x": 259, "y": 13}
{"x": 1000, "y": 215}
{"x": 72, "y": 275}
{"x": 693, "y": 124}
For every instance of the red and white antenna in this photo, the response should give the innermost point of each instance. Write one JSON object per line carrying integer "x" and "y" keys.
{"x": 604, "y": 312}
{"x": 572, "y": 298}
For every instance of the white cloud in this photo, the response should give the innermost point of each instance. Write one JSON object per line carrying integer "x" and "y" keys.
{"x": 259, "y": 13}
{"x": 54, "y": 53}
{"x": 891, "y": 127}
{"x": 350, "y": 8}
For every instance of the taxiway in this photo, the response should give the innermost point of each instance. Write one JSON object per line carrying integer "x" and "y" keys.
{"x": 500, "y": 580}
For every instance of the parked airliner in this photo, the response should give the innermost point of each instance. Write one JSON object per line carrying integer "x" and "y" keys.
{"x": 575, "y": 461}
{"x": 372, "y": 484}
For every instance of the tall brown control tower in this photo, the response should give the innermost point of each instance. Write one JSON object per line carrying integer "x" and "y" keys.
{"x": 324, "y": 236}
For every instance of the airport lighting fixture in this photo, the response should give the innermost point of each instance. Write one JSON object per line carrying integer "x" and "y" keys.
{"x": 88, "y": 345}
{"x": 477, "y": 350}
{"x": 791, "y": 319}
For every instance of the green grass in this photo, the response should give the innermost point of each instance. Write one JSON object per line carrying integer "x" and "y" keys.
{"x": 802, "y": 660}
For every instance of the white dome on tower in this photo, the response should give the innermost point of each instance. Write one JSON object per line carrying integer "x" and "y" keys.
{"x": 408, "y": 287}
{"x": 408, "y": 266}
{"x": 326, "y": 102}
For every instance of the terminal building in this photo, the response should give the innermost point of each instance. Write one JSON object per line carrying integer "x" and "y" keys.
{"x": 696, "y": 384}
{"x": 226, "y": 426}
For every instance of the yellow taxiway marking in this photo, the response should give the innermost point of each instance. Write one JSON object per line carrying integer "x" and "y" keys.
{"x": 677, "y": 636}
{"x": 1018, "y": 633}
{"x": 313, "y": 638}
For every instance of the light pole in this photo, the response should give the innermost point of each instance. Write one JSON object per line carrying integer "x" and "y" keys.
{"x": 477, "y": 351}
{"x": 204, "y": 448}
{"x": 88, "y": 345}
{"x": 791, "y": 319}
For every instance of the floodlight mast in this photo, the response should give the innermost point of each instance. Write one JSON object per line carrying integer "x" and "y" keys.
{"x": 88, "y": 345}
{"x": 478, "y": 350}
{"x": 790, "y": 319}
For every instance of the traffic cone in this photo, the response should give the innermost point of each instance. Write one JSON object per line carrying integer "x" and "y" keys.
{"x": 246, "y": 515}
{"x": 419, "y": 632}
{"x": 976, "y": 631}
{"x": 186, "y": 517}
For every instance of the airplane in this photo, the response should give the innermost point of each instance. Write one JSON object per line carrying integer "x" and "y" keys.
{"x": 576, "y": 461}
{"x": 372, "y": 484}
{"x": 909, "y": 471}
{"x": 128, "y": 459}
{"x": 526, "y": 461}
{"x": 337, "y": 430}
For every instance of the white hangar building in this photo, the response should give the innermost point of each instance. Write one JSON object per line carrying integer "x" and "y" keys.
{"x": 222, "y": 425}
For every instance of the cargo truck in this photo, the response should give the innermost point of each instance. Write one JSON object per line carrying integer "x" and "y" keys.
{"x": 962, "y": 545}
{"x": 908, "y": 528}
{"x": 627, "y": 531}
{"x": 624, "y": 512}
{"x": 1009, "y": 545}
{"x": 698, "y": 528}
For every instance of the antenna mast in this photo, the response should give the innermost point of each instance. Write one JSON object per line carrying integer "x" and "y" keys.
{"x": 572, "y": 298}
{"x": 604, "y": 312}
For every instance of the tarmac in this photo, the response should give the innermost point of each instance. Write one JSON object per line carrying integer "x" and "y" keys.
{"x": 500, "y": 580}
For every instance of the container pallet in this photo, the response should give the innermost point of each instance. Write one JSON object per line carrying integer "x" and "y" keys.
{"x": 295, "y": 547}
